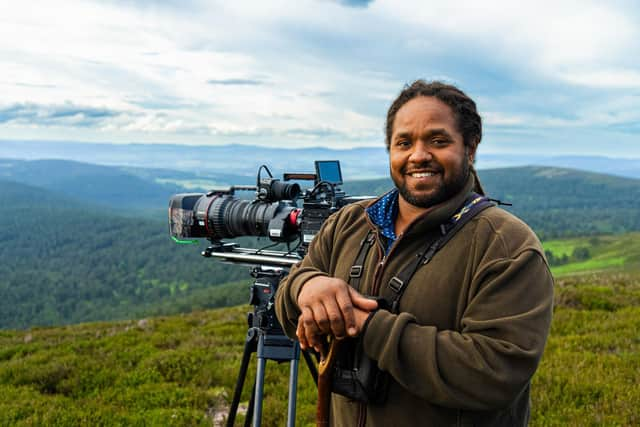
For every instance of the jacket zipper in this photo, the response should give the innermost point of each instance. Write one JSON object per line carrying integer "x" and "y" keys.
{"x": 375, "y": 289}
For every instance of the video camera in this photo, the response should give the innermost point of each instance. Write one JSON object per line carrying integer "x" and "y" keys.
{"x": 274, "y": 213}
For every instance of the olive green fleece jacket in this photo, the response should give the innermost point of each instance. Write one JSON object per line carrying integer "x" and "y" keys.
{"x": 472, "y": 323}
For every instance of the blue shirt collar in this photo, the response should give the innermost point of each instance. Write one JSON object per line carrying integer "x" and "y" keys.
{"x": 383, "y": 214}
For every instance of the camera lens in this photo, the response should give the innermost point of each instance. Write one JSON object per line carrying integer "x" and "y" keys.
{"x": 220, "y": 215}
{"x": 282, "y": 191}
{"x": 272, "y": 190}
{"x": 232, "y": 217}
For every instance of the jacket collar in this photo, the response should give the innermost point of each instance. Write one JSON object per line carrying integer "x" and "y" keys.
{"x": 439, "y": 214}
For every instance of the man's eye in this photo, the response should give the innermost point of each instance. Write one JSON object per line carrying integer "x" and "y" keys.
{"x": 403, "y": 142}
{"x": 440, "y": 141}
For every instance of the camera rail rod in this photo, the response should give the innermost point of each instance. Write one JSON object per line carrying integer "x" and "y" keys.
{"x": 237, "y": 255}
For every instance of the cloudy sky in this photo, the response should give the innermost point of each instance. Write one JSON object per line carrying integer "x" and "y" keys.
{"x": 552, "y": 77}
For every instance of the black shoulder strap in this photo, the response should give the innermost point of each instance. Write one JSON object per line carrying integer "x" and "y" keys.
{"x": 474, "y": 204}
{"x": 355, "y": 275}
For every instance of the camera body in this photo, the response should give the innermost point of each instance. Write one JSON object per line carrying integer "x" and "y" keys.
{"x": 274, "y": 212}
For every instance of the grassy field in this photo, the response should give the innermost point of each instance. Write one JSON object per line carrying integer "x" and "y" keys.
{"x": 590, "y": 372}
{"x": 181, "y": 370}
{"x": 606, "y": 253}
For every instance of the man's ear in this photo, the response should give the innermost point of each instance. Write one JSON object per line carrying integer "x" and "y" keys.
{"x": 471, "y": 151}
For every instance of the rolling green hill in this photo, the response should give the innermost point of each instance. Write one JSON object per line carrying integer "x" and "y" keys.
{"x": 181, "y": 370}
{"x": 62, "y": 261}
{"x": 593, "y": 254}
{"x": 102, "y": 185}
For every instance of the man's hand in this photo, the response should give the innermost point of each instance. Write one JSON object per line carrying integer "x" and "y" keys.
{"x": 330, "y": 306}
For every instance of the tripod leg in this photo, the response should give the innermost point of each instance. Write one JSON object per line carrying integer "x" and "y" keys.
{"x": 257, "y": 412}
{"x": 293, "y": 388}
{"x": 249, "y": 347}
{"x": 252, "y": 401}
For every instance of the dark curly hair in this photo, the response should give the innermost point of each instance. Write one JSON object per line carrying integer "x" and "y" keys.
{"x": 467, "y": 119}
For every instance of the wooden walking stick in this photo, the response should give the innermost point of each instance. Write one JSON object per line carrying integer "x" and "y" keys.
{"x": 328, "y": 354}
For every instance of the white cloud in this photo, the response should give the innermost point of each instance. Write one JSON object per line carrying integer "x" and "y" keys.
{"x": 315, "y": 71}
{"x": 491, "y": 118}
{"x": 542, "y": 36}
{"x": 604, "y": 78}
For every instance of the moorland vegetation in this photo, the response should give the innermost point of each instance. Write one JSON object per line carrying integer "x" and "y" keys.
{"x": 181, "y": 370}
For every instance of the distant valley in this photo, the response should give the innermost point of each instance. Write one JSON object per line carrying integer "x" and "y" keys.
{"x": 82, "y": 242}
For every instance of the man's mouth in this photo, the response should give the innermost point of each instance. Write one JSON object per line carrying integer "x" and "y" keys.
{"x": 422, "y": 174}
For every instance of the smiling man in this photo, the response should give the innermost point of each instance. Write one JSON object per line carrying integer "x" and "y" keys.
{"x": 463, "y": 293}
{"x": 428, "y": 157}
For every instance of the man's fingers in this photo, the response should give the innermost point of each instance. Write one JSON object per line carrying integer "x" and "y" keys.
{"x": 321, "y": 318}
{"x": 336, "y": 320}
{"x": 362, "y": 302}
{"x": 345, "y": 304}
{"x": 301, "y": 334}
{"x": 315, "y": 323}
{"x": 328, "y": 306}
{"x": 307, "y": 325}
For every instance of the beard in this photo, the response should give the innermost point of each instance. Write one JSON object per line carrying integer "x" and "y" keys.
{"x": 449, "y": 187}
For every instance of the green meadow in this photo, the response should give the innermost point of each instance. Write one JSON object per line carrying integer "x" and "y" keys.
{"x": 181, "y": 370}
{"x": 594, "y": 254}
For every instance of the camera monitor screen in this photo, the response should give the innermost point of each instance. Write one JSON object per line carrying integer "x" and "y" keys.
{"x": 329, "y": 171}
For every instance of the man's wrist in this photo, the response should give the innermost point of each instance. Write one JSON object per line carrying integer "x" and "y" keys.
{"x": 365, "y": 325}
{"x": 302, "y": 281}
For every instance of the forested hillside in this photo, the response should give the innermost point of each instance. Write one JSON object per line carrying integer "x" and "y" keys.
{"x": 554, "y": 202}
{"x": 63, "y": 262}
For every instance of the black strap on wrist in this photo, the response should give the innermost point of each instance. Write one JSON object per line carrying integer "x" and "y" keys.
{"x": 363, "y": 330}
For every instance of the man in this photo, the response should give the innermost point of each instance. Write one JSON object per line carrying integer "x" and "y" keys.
{"x": 471, "y": 324}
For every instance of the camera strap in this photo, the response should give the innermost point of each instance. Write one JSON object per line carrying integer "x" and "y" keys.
{"x": 354, "y": 374}
{"x": 355, "y": 275}
{"x": 473, "y": 205}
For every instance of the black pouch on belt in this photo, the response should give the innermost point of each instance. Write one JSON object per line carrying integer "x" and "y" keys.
{"x": 357, "y": 376}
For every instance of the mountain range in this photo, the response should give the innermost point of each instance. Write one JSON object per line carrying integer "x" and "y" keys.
{"x": 244, "y": 160}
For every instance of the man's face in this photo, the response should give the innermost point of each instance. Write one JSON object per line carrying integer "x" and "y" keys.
{"x": 428, "y": 159}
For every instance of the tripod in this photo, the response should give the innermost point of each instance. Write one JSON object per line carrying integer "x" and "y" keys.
{"x": 266, "y": 338}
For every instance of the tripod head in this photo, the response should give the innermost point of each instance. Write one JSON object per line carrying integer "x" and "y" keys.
{"x": 269, "y": 267}
{"x": 265, "y": 335}
{"x": 263, "y": 291}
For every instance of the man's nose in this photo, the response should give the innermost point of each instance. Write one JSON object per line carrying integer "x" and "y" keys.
{"x": 421, "y": 153}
